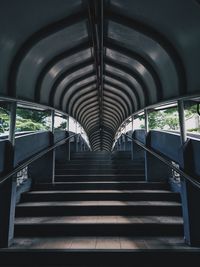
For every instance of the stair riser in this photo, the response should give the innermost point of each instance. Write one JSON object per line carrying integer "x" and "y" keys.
{"x": 101, "y": 186}
{"x": 98, "y": 210}
{"x": 94, "y": 163}
{"x": 94, "y": 187}
{"x": 98, "y": 196}
{"x": 98, "y": 167}
{"x": 99, "y": 171}
{"x": 100, "y": 178}
{"x": 141, "y": 258}
{"x": 98, "y": 230}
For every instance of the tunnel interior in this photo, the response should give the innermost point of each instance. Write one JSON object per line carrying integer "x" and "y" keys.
{"x": 99, "y": 61}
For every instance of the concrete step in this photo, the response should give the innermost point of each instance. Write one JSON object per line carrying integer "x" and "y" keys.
{"x": 111, "y": 185}
{"x": 99, "y": 171}
{"x": 100, "y": 195}
{"x": 102, "y": 162}
{"x": 99, "y": 251}
{"x": 98, "y": 226}
{"x": 99, "y": 177}
{"x": 71, "y": 208}
{"x": 74, "y": 166}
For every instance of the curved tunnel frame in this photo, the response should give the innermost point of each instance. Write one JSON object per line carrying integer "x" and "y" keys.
{"x": 125, "y": 89}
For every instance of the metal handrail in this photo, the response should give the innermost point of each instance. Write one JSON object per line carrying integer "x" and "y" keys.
{"x": 167, "y": 162}
{"x": 33, "y": 158}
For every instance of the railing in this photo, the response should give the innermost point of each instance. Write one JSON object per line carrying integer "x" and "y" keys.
{"x": 165, "y": 161}
{"x": 34, "y": 158}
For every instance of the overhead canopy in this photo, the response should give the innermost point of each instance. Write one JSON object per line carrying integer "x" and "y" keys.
{"x": 99, "y": 61}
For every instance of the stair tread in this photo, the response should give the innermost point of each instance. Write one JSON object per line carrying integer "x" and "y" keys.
{"x": 98, "y": 182}
{"x": 101, "y": 243}
{"x": 100, "y": 220}
{"x": 103, "y": 175}
{"x": 99, "y": 203}
{"x": 99, "y": 191}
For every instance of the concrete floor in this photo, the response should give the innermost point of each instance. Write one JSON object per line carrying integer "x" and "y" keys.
{"x": 100, "y": 243}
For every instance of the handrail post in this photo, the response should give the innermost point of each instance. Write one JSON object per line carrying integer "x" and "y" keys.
{"x": 146, "y": 120}
{"x": 8, "y": 189}
{"x": 132, "y": 150}
{"x": 190, "y": 194}
{"x": 52, "y": 141}
{"x": 155, "y": 170}
{"x": 42, "y": 170}
{"x": 69, "y": 150}
{"x": 182, "y": 121}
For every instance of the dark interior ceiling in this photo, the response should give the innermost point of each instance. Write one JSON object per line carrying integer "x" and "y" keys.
{"x": 99, "y": 61}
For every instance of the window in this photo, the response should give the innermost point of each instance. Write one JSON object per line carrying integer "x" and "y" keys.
{"x": 4, "y": 119}
{"x": 29, "y": 119}
{"x": 192, "y": 117}
{"x": 139, "y": 121}
{"x": 164, "y": 118}
{"x": 60, "y": 122}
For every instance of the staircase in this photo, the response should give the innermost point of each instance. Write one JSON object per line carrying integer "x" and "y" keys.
{"x": 99, "y": 212}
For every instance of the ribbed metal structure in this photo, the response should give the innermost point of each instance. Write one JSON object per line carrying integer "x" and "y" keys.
{"x": 99, "y": 61}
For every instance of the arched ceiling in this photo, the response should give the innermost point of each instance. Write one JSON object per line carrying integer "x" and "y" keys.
{"x": 99, "y": 61}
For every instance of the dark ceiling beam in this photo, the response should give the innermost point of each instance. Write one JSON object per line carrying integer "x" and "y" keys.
{"x": 90, "y": 117}
{"x": 120, "y": 94}
{"x": 133, "y": 74}
{"x": 93, "y": 11}
{"x": 87, "y": 99}
{"x": 66, "y": 74}
{"x": 54, "y": 61}
{"x": 33, "y": 40}
{"x": 86, "y": 109}
{"x": 123, "y": 93}
{"x": 77, "y": 95}
{"x": 89, "y": 111}
{"x": 86, "y": 80}
{"x": 113, "y": 115}
{"x": 116, "y": 98}
{"x": 147, "y": 65}
{"x": 125, "y": 86}
{"x": 157, "y": 37}
{"x": 110, "y": 106}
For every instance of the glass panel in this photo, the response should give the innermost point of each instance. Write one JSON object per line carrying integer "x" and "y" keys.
{"x": 60, "y": 122}
{"x": 29, "y": 119}
{"x": 164, "y": 119}
{"x": 139, "y": 121}
{"x": 75, "y": 127}
{"x": 129, "y": 125}
{"x": 192, "y": 118}
{"x": 4, "y": 119}
{"x": 72, "y": 125}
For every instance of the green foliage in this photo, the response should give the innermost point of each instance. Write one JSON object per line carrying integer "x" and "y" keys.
{"x": 31, "y": 120}
{"x": 168, "y": 119}
{"x": 195, "y": 130}
{"x": 164, "y": 119}
{"x": 36, "y": 116}
{"x": 4, "y": 120}
{"x": 27, "y": 120}
{"x": 28, "y": 125}
{"x": 62, "y": 126}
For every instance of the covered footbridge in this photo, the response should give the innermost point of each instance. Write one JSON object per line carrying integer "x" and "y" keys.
{"x": 103, "y": 65}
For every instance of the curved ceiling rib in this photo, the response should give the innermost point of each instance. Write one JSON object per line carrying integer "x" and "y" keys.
{"x": 126, "y": 24}
{"x": 124, "y": 85}
{"x": 86, "y": 109}
{"x": 99, "y": 67}
{"x": 133, "y": 59}
{"x": 57, "y": 67}
{"x": 67, "y": 78}
{"x": 148, "y": 91}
